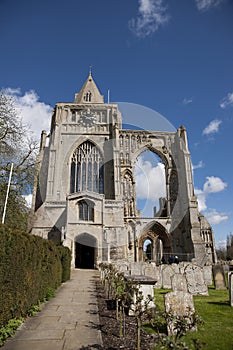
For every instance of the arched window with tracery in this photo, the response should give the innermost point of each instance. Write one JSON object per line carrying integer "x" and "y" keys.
{"x": 86, "y": 210}
{"x": 87, "y": 169}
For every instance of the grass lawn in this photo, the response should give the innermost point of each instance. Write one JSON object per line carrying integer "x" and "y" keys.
{"x": 217, "y": 314}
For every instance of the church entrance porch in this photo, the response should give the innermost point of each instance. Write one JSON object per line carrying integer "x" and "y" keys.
{"x": 85, "y": 251}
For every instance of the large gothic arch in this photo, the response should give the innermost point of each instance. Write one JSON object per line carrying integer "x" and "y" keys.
{"x": 154, "y": 232}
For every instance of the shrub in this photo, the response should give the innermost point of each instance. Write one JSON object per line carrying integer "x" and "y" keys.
{"x": 30, "y": 268}
{"x": 9, "y": 329}
{"x": 65, "y": 261}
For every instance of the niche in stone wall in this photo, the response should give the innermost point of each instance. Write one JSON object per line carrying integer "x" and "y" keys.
{"x": 150, "y": 181}
{"x": 128, "y": 194}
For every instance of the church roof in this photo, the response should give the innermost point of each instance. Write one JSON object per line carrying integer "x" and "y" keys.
{"x": 89, "y": 92}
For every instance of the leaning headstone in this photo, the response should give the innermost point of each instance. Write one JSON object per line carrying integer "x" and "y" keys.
{"x": 208, "y": 274}
{"x": 182, "y": 266}
{"x": 179, "y": 283}
{"x": 195, "y": 280}
{"x": 167, "y": 272}
{"x": 179, "y": 306}
{"x": 231, "y": 288}
{"x": 219, "y": 277}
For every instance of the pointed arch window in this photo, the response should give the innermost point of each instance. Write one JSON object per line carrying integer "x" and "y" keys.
{"x": 86, "y": 210}
{"x": 87, "y": 169}
{"x": 87, "y": 96}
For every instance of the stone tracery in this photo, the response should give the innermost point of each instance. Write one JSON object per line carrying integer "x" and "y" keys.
{"x": 86, "y": 169}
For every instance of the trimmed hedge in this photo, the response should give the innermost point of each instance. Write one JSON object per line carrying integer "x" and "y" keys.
{"x": 30, "y": 267}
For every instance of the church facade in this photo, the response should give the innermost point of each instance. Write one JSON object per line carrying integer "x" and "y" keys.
{"x": 85, "y": 196}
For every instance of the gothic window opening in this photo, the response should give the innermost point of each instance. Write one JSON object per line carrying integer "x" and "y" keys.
{"x": 148, "y": 249}
{"x": 86, "y": 210}
{"x": 87, "y": 96}
{"x": 150, "y": 180}
{"x": 87, "y": 169}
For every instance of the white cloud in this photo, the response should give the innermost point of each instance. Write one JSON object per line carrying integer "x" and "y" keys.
{"x": 227, "y": 101}
{"x": 187, "y": 101}
{"x": 199, "y": 165}
{"x": 34, "y": 113}
{"x": 221, "y": 244}
{"x": 150, "y": 181}
{"x": 201, "y": 199}
{"x": 204, "y": 5}
{"x": 212, "y": 128}
{"x": 152, "y": 14}
{"x": 215, "y": 218}
{"x": 214, "y": 184}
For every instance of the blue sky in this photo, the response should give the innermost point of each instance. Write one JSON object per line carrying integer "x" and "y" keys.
{"x": 175, "y": 57}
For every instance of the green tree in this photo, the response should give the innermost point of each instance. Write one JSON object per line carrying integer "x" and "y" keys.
{"x": 17, "y": 209}
{"x": 18, "y": 146}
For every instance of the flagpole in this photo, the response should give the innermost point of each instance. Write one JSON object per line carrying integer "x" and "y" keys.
{"x": 7, "y": 193}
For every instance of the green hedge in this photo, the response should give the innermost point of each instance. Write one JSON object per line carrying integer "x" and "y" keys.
{"x": 30, "y": 267}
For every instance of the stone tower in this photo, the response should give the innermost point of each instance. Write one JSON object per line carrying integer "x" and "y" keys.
{"x": 85, "y": 198}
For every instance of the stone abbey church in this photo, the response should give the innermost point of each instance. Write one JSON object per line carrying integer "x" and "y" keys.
{"x": 85, "y": 195}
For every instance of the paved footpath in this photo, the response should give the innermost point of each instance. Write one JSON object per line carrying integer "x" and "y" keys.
{"x": 70, "y": 321}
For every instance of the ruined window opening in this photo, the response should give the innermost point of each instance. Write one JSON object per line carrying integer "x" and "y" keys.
{"x": 148, "y": 249}
{"x": 150, "y": 179}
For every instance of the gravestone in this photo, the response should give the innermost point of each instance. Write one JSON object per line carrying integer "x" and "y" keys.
{"x": 195, "y": 280}
{"x": 219, "y": 277}
{"x": 124, "y": 267}
{"x": 137, "y": 268}
{"x": 208, "y": 274}
{"x": 154, "y": 272}
{"x": 151, "y": 271}
{"x": 146, "y": 287}
{"x": 179, "y": 305}
{"x": 231, "y": 288}
{"x": 167, "y": 272}
{"x": 179, "y": 283}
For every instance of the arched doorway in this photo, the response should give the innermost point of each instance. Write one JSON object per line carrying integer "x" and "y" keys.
{"x": 85, "y": 251}
{"x": 154, "y": 243}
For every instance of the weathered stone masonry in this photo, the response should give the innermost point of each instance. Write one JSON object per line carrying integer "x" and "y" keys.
{"x": 85, "y": 196}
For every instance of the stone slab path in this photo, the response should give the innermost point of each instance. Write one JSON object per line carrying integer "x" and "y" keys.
{"x": 70, "y": 321}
